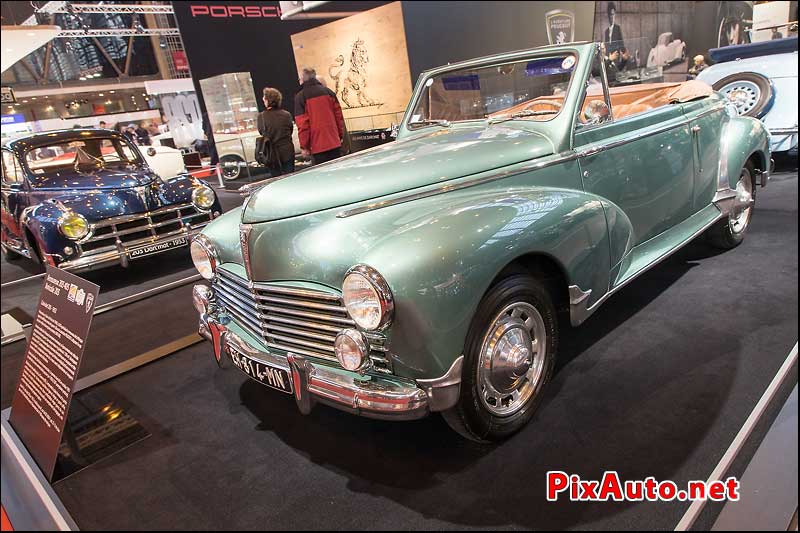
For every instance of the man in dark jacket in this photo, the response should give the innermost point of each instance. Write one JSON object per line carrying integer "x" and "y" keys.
{"x": 320, "y": 124}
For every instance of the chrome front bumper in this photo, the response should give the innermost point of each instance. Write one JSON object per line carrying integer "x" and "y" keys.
{"x": 91, "y": 261}
{"x": 370, "y": 396}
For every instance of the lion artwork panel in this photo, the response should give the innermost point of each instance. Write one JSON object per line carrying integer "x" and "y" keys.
{"x": 364, "y": 60}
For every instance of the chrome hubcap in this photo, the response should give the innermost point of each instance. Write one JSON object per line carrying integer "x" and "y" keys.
{"x": 512, "y": 359}
{"x": 743, "y": 204}
{"x": 744, "y": 95}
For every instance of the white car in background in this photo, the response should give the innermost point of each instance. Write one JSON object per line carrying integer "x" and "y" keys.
{"x": 165, "y": 161}
{"x": 667, "y": 51}
{"x": 764, "y": 87}
{"x": 237, "y": 150}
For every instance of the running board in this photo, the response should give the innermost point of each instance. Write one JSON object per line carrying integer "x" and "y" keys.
{"x": 647, "y": 255}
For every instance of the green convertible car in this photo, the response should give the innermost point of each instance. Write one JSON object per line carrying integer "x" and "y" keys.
{"x": 428, "y": 274}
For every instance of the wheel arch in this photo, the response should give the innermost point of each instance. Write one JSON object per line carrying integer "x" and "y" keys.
{"x": 543, "y": 267}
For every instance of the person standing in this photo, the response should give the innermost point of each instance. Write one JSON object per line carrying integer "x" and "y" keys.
{"x": 320, "y": 124}
{"x": 275, "y": 124}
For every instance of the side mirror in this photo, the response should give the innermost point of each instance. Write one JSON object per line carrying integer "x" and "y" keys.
{"x": 596, "y": 112}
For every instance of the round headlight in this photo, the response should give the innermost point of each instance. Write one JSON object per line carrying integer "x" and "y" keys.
{"x": 367, "y": 297}
{"x": 73, "y": 226}
{"x": 204, "y": 256}
{"x": 203, "y": 197}
{"x": 351, "y": 350}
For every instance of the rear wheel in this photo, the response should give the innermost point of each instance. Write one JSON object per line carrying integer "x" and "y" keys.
{"x": 509, "y": 357}
{"x": 729, "y": 232}
{"x": 750, "y": 93}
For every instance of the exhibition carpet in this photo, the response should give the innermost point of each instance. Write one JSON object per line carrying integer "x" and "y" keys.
{"x": 657, "y": 383}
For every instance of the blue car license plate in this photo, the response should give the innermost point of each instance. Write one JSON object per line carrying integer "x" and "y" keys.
{"x": 157, "y": 248}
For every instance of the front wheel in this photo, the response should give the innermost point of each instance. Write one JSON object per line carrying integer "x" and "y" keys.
{"x": 509, "y": 357}
{"x": 729, "y": 232}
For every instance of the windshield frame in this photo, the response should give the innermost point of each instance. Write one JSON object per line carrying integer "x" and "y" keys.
{"x": 493, "y": 61}
{"x": 139, "y": 161}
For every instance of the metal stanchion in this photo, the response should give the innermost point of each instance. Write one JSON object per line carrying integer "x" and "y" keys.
{"x": 219, "y": 177}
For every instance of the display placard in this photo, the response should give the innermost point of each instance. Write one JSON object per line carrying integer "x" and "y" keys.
{"x": 52, "y": 360}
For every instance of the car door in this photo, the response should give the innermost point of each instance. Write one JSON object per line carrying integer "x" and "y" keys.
{"x": 704, "y": 123}
{"x": 13, "y": 199}
{"x": 642, "y": 162}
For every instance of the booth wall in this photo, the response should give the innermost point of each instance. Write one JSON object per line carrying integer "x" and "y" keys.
{"x": 261, "y": 46}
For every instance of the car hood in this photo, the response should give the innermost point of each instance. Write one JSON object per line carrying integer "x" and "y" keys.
{"x": 403, "y": 165}
{"x": 102, "y": 179}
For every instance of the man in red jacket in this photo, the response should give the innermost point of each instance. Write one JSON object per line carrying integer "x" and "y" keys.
{"x": 320, "y": 124}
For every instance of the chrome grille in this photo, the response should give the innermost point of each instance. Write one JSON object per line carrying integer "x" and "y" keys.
{"x": 140, "y": 228}
{"x": 291, "y": 319}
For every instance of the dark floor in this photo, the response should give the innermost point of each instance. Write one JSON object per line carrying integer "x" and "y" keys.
{"x": 658, "y": 382}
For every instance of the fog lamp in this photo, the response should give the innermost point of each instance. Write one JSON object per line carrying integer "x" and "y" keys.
{"x": 352, "y": 350}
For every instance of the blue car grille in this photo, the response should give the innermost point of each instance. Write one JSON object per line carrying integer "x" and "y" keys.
{"x": 139, "y": 228}
{"x": 289, "y": 319}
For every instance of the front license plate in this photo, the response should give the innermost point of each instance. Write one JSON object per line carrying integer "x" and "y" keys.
{"x": 268, "y": 375}
{"x": 157, "y": 247}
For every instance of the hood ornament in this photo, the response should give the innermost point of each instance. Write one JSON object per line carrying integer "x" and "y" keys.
{"x": 244, "y": 240}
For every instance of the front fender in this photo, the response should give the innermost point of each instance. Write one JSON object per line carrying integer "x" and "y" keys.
{"x": 440, "y": 265}
{"x": 41, "y": 222}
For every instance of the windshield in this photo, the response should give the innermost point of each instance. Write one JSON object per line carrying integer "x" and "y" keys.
{"x": 532, "y": 89}
{"x": 87, "y": 153}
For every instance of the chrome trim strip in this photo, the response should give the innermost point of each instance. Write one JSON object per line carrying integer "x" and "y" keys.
{"x": 290, "y": 349}
{"x": 535, "y": 165}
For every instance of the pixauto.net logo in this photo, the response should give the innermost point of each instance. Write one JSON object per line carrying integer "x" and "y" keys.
{"x": 233, "y": 11}
{"x": 612, "y": 488}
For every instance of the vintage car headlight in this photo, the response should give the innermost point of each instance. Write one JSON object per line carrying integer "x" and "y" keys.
{"x": 367, "y": 297}
{"x": 203, "y": 197}
{"x": 73, "y": 225}
{"x": 352, "y": 350}
{"x": 204, "y": 256}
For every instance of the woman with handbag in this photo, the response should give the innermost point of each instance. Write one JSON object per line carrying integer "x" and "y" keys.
{"x": 275, "y": 149}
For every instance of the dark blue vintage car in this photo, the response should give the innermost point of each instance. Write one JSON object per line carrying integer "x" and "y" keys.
{"x": 85, "y": 198}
